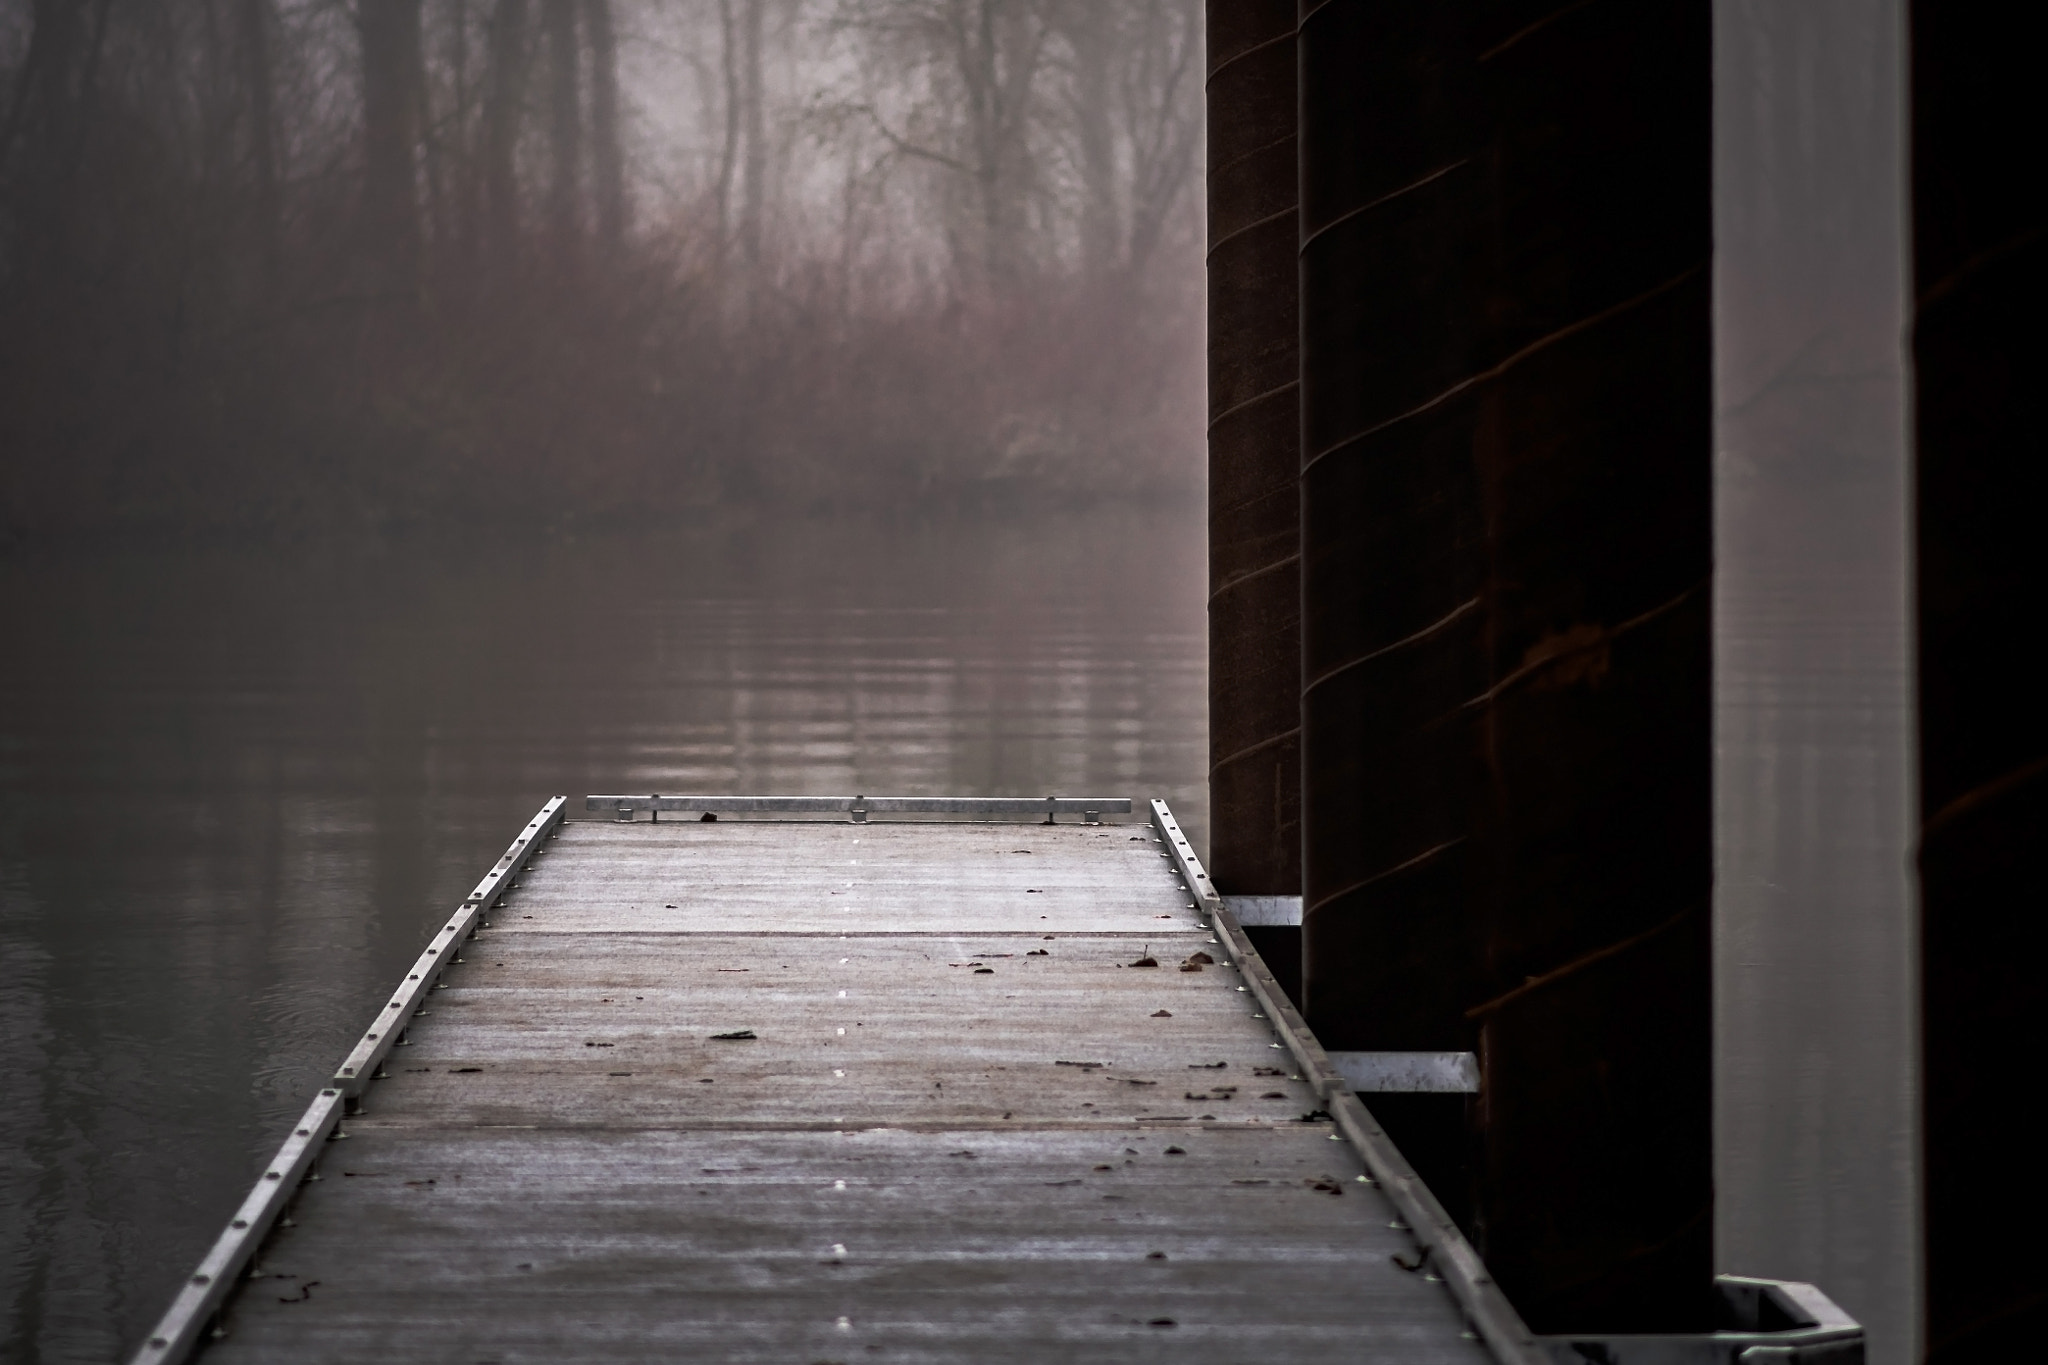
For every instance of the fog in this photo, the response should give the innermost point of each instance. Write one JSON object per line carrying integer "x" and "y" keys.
{"x": 412, "y": 409}
{"x": 286, "y": 264}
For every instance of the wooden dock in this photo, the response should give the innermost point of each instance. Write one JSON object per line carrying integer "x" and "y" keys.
{"x": 839, "y": 1082}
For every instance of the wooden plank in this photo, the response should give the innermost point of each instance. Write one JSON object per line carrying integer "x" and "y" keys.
{"x": 742, "y": 877}
{"x": 869, "y": 1030}
{"x": 962, "y": 1245}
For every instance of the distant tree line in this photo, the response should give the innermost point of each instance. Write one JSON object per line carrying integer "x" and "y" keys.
{"x": 294, "y": 262}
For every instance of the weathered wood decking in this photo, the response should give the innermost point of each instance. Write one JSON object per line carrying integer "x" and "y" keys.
{"x": 802, "y": 1091}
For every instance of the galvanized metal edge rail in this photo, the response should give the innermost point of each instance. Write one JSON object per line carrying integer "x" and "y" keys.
{"x": 360, "y": 1067}
{"x": 1089, "y": 808}
{"x": 1446, "y": 1252}
{"x": 219, "y": 1270}
{"x": 207, "y": 1291}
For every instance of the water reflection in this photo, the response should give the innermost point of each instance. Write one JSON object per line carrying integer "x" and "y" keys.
{"x": 237, "y": 788}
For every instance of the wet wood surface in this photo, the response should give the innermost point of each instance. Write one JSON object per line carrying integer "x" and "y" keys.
{"x": 965, "y": 1126}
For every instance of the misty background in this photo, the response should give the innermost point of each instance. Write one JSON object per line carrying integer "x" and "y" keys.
{"x": 284, "y": 263}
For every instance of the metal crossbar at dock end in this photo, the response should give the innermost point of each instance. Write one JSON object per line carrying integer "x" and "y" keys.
{"x": 1091, "y": 809}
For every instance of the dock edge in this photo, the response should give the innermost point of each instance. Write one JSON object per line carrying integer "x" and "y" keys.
{"x": 207, "y": 1290}
{"x": 1445, "y": 1251}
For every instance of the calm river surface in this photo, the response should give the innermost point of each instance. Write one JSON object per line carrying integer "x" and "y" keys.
{"x": 238, "y": 788}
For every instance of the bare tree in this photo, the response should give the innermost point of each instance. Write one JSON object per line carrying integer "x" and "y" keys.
{"x": 1161, "y": 97}
{"x": 1092, "y": 34}
{"x": 390, "y": 36}
{"x": 504, "y": 107}
{"x": 51, "y": 113}
{"x": 433, "y": 153}
{"x": 930, "y": 232}
{"x": 981, "y": 62}
{"x": 728, "y": 161}
{"x": 753, "y": 129}
{"x": 468, "y": 180}
{"x": 1133, "y": 101}
{"x": 255, "y": 19}
{"x": 607, "y": 155}
{"x": 565, "y": 125}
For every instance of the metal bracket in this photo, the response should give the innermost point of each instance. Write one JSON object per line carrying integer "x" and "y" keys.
{"x": 1769, "y": 1322}
{"x": 1265, "y": 911}
{"x": 1408, "y": 1073}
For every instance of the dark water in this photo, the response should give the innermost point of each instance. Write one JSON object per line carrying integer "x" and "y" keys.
{"x": 237, "y": 788}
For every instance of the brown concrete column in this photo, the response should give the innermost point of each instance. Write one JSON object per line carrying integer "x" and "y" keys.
{"x": 1254, "y": 430}
{"x": 1506, "y": 546}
